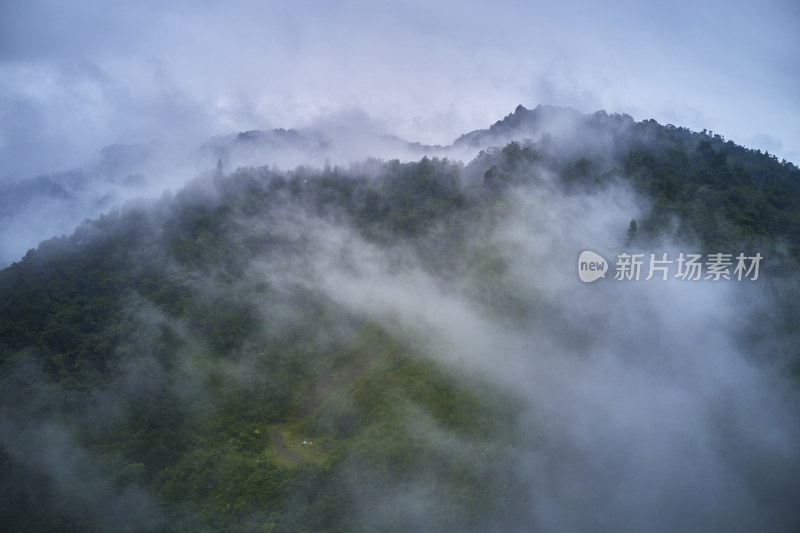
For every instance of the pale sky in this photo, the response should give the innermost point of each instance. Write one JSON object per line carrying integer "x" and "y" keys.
{"x": 76, "y": 76}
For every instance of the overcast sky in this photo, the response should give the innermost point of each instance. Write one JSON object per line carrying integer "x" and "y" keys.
{"x": 78, "y": 75}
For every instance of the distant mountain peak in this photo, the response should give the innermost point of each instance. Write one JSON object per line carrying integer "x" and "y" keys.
{"x": 523, "y": 122}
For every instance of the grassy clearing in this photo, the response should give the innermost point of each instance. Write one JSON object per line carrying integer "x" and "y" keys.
{"x": 318, "y": 451}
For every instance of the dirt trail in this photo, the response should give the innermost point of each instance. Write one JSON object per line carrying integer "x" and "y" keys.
{"x": 277, "y": 439}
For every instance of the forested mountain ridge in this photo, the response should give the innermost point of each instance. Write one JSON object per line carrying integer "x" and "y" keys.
{"x": 690, "y": 173}
{"x": 386, "y": 313}
{"x": 123, "y": 172}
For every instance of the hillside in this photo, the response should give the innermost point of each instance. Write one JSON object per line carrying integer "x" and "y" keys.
{"x": 406, "y": 346}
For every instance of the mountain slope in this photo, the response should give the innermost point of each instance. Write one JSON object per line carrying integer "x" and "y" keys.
{"x": 423, "y": 326}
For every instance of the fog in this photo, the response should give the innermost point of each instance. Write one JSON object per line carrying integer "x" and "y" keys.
{"x": 641, "y": 405}
{"x": 38, "y": 208}
{"x": 643, "y": 409}
{"x": 630, "y": 406}
{"x": 78, "y": 76}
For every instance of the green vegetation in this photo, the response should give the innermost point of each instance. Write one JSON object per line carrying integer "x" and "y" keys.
{"x": 156, "y": 343}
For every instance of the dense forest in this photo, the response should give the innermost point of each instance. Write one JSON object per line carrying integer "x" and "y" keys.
{"x": 406, "y": 346}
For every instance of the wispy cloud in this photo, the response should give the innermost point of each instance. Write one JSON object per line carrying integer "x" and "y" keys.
{"x": 80, "y": 75}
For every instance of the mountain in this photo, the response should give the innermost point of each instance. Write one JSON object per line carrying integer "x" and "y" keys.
{"x": 407, "y": 345}
{"x": 36, "y": 208}
{"x": 291, "y": 148}
{"x": 524, "y": 123}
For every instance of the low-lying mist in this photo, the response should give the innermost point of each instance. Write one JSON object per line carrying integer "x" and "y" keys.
{"x": 606, "y": 406}
{"x": 643, "y": 408}
{"x": 35, "y": 208}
